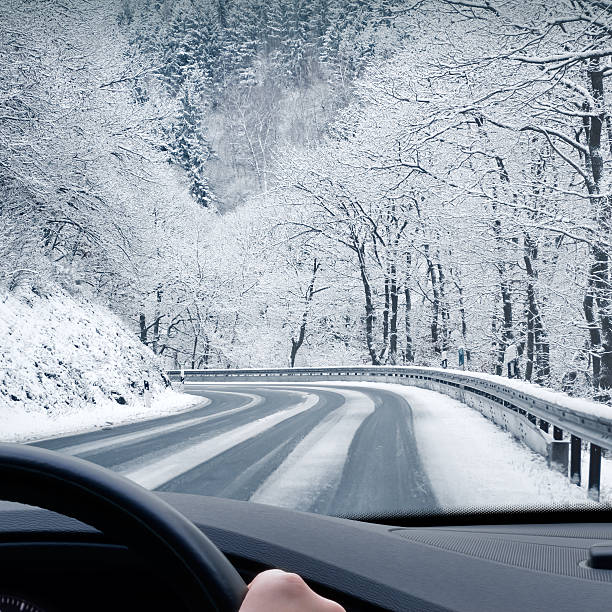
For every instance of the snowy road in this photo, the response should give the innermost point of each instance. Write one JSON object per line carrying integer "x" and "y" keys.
{"x": 335, "y": 448}
{"x": 332, "y": 450}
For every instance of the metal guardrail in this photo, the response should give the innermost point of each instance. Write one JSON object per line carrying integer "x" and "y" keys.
{"x": 535, "y": 411}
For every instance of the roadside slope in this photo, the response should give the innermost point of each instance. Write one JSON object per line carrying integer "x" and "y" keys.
{"x": 68, "y": 364}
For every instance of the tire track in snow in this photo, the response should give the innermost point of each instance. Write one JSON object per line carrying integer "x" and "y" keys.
{"x": 155, "y": 473}
{"x": 317, "y": 462}
{"x": 383, "y": 473}
{"x": 127, "y": 438}
{"x": 240, "y": 471}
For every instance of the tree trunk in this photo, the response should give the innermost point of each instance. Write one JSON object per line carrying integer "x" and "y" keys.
{"x": 386, "y": 316}
{"x": 296, "y": 344}
{"x": 462, "y": 312}
{"x": 143, "y": 328}
{"x": 538, "y": 349}
{"x": 409, "y": 352}
{"x": 588, "y": 305}
{"x": 497, "y": 351}
{"x": 436, "y": 301}
{"x": 600, "y": 272}
{"x": 543, "y": 355}
{"x": 369, "y": 305}
{"x": 507, "y": 333}
{"x": 156, "y": 322}
{"x": 193, "y": 352}
{"x": 530, "y": 335}
{"x": 206, "y": 353}
{"x": 444, "y": 309}
{"x": 393, "y": 289}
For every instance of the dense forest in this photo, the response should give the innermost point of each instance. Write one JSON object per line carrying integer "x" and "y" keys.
{"x": 295, "y": 182}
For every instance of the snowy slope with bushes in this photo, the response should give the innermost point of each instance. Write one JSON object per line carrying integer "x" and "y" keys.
{"x": 68, "y": 364}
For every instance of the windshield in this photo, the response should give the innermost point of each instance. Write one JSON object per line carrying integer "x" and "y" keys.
{"x": 342, "y": 256}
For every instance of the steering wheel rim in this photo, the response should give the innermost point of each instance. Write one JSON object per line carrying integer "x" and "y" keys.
{"x": 125, "y": 510}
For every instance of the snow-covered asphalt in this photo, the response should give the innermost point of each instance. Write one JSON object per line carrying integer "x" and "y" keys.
{"x": 337, "y": 450}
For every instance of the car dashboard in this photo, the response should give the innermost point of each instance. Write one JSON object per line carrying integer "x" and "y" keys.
{"x": 57, "y": 564}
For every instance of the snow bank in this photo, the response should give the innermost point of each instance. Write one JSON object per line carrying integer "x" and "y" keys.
{"x": 67, "y": 364}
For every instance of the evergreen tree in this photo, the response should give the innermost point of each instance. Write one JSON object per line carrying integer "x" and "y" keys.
{"x": 191, "y": 149}
{"x": 297, "y": 47}
{"x": 221, "y": 7}
{"x": 246, "y": 37}
{"x": 194, "y": 43}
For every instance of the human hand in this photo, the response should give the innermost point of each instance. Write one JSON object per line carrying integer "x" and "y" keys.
{"x": 278, "y": 591}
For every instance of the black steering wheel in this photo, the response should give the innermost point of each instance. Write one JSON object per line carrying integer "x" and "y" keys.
{"x": 127, "y": 512}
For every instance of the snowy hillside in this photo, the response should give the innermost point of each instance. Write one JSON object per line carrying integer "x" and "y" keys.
{"x": 68, "y": 364}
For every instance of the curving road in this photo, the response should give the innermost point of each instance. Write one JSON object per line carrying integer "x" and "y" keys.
{"x": 339, "y": 450}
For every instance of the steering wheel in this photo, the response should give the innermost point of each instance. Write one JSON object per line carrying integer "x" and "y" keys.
{"x": 128, "y": 513}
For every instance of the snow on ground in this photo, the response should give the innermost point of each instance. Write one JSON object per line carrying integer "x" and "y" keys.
{"x": 70, "y": 365}
{"x": 317, "y": 461}
{"x": 471, "y": 462}
{"x": 28, "y": 426}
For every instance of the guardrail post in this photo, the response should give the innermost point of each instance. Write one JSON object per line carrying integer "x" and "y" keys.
{"x": 575, "y": 463}
{"x": 558, "y": 455}
{"x": 594, "y": 471}
{"x": 557, "y": 433}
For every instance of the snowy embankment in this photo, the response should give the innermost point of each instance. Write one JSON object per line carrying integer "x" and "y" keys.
{"x": 69, "y": 365}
